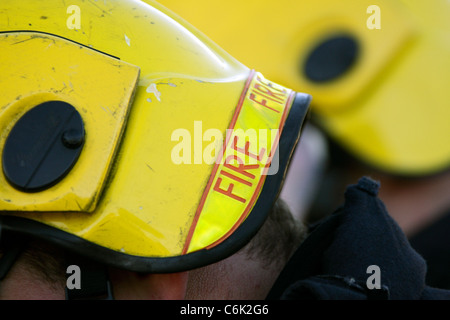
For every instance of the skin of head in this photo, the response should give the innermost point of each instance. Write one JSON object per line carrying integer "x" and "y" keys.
{"x": 39, "y": 272}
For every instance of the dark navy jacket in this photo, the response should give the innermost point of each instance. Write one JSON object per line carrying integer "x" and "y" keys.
{"x": 333, "y": 262}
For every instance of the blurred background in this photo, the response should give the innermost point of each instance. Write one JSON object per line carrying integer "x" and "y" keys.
{"x": 379, "y": 75}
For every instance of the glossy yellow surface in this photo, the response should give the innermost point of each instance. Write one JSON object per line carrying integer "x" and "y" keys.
{"x": 391, "y": 108}
{"x": 243, "y": 164}
{"x": 100, "y": 87}
{"x": 145, "y": 206}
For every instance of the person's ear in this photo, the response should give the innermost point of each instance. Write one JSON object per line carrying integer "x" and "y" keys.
{"x": 129, "y": 285}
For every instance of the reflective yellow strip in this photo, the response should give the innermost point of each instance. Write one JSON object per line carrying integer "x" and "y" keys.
{"x": 241, "y": 167}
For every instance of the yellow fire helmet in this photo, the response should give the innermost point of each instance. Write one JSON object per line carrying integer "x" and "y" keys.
{"x": 129, "y": 137}
{"x": 378, "y": 70}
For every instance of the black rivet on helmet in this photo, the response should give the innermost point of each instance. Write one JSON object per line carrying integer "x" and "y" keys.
{"x": 72, "y": 138}
{"x": 331, "y": 58}
{"x": 43, "y": 146}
